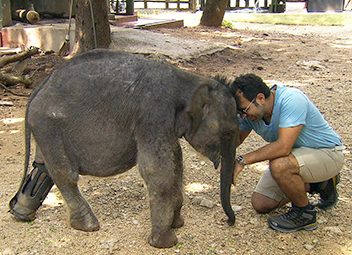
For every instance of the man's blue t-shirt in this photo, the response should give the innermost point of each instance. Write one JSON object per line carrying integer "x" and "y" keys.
{"x": 292, "y": 108}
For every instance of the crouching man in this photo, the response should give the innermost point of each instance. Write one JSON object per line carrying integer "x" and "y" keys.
{"x": 304, "y": 152}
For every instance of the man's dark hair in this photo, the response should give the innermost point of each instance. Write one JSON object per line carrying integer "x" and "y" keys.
{"x": 251, "y": 85}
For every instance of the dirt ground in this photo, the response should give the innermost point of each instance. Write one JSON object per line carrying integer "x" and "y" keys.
{"x": 317, "y": 60}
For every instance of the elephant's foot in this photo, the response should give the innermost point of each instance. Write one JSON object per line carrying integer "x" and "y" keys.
{"x": 165, "y": 239}
{"x": 178, "y": 222}
{"x": 87, "y": 222}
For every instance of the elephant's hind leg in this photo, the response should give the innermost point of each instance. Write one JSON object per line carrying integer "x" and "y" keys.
{"x": 65, "y": 176}
{"x": 81, "y": 215}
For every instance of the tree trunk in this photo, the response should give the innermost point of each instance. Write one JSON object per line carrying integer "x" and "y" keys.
{"x": 86, "y": 38}
{"x": 213, "y": 13}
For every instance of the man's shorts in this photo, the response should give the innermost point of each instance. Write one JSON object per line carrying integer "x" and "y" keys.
{"x": 316, "y": 165}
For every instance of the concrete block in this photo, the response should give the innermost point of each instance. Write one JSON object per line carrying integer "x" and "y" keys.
{"x": 325, "y": 5}
{"x": 45, "y": 37}
{"x": 119, "y": 19}
{"x": 163, "y": 24}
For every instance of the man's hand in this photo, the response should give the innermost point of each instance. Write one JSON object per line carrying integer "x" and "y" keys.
{"x": 238, "y": 169}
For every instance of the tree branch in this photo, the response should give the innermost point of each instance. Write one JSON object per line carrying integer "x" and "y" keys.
{"x": 10, "y": 80}
{"x": 18, "y": 57}
{"x": 12, "y": 92}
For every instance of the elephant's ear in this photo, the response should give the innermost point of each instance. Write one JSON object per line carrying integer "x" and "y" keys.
{"x": 190, "y": 118}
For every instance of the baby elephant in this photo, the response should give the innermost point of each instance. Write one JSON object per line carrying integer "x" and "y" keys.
{"x": 106, "y": 111}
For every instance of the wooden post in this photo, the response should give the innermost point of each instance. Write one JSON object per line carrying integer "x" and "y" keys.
{"x": 246, "y": 3}
{"x": 192, "y": 5}
{"x": 273, "y": 6}
{"x": 129, "y": 7}
{"x": 178, "y": 5}
{"x": 202, "y": 5}
{"x": 256, "y": 4}
{"x": 145, "y": 4}
{"x": 237, "y": 3}
{"x": 5, "y": 13}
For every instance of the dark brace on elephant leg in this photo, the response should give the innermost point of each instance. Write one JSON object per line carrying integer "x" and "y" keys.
{"x": 31, "y": 194}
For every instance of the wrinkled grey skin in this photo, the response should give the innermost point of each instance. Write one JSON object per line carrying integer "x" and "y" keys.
{"x": 106, "y": 111}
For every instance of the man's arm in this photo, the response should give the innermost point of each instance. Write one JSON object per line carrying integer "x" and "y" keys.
{"x": 280, "y": 148}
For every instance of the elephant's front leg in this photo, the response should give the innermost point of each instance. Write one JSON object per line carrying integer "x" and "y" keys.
{"x": 158, "y": 169}
{"x": 178, "y": 220}
{"x": 162, "y": 216}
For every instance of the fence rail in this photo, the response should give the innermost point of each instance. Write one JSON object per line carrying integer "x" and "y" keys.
{"x": 191, "y": 4}
{"x": 266, "y": 4}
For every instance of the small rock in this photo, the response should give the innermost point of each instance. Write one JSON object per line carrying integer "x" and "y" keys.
{"x": 237, "y": 208}
{"x": 243, "y": 223}
{"x": 197, "y": 200}
{"x": 207, "y": 203}
{"x": 321, "y": 220}
{"x": 26, "y": 253}
{"x": 309, "y": 247}
{"x": 108, "y": 244}
{"x": 132, "y": 244}
{"x": 8, "y": 251}
{"x": 334, "y": 230}
{"x": 6, "y": 103}
{"x": 135, "y": 222}
{"x": 312, "y": 64}
{"x": 254, "y": 221}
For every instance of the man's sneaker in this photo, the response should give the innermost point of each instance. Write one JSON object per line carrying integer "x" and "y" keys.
{"x": 328, "y": 192}
{"x": 295, "y": 219}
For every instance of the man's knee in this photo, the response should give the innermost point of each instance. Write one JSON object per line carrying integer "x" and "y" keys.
{"x": 263, "y": 204}
{"x": 281, "y": 166}
{"x": 277, "y": 166}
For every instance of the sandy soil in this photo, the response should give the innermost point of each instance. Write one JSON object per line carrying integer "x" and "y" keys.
{"x": 317, "y": 60}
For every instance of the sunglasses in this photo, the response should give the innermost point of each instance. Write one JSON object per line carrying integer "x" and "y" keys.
{"x": 245, "y": 110}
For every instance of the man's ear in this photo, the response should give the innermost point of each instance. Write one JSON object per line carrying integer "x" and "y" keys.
{"x": 260, "y": 98}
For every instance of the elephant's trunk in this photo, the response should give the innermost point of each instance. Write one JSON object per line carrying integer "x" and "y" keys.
{"x": 227, "y": 167}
